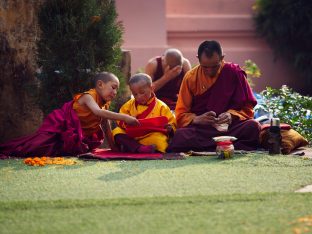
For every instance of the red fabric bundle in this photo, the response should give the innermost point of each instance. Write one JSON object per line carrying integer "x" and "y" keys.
{"x": 155, "y": 124}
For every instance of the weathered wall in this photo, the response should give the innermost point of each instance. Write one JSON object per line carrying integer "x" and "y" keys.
{"x": 18, "y": 33}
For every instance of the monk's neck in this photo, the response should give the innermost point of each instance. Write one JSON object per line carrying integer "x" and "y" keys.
{"x": 150, "y": 99}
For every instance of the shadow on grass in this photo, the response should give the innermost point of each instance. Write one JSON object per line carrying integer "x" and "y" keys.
{"x": 134, "y": 168}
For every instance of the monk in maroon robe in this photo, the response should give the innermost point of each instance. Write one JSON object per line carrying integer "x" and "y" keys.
{"x": 167, "y": 73}
{"x": 75, "y": 128}
{"x": 215, "y": 99}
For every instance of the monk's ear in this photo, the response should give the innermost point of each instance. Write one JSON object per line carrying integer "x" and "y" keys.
{"x": 99, "y": 83}
{"x": 198, "y": 58}
{"x": 222, "y": 57}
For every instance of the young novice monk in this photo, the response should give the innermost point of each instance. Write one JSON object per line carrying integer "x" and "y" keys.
{"x": 145, "y": 106}
{"x": 75, "y": 128}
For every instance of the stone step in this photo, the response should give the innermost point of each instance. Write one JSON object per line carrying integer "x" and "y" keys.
{"x": 215, "y": 22}
{"x": 206, "y": 7}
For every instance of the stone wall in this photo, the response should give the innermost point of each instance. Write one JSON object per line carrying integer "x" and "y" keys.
{"x": 18, "y": 33}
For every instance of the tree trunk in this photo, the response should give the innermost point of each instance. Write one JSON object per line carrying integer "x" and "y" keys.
{"x": 19, "y": 114}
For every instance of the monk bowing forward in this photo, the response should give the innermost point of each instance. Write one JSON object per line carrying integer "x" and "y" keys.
{"x": 215, "y": 99}
{"x": 167, "y": 72}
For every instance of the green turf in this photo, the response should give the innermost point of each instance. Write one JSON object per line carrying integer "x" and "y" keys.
{"x": 248, "y": 194}
{"x": 261, "y": 213}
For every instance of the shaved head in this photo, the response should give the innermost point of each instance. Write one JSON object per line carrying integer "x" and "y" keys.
{"x": 140, "y": 77}
{"x": 173, "y": 57}
{"x": 105, "y": 77}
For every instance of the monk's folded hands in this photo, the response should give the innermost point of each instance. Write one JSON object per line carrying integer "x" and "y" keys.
{"x": 224, "y": 118}
{"x": 208, "y": 118}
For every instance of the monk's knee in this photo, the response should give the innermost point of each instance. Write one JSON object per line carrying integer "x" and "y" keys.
{"x": 253, "y": 124}
{"x": 252, "y": 127}
{"x": 181, "y": 139}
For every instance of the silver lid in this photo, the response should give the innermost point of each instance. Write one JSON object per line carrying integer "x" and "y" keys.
{"x": 275, "y": 122}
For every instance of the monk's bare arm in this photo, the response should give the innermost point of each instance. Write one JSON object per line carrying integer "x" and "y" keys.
{"x": 168, "y": 75}
{"x": 124, "y": 109}
{"x": 87, "y": 100}
{"x": 150, "y": 68}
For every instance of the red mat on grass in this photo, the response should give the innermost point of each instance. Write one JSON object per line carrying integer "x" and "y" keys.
{"x": 107, "y": 154}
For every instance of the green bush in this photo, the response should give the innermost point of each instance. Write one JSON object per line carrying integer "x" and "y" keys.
{"x": 252, "y": 70}
{"x": 291, "y": 107}
{"x": 286, "y": 25}
{"x": 79, "y": 38}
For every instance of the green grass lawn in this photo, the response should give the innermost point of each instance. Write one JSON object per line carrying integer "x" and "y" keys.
{"x": 247, "y": 194}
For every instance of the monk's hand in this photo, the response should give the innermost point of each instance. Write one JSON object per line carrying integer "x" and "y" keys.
{"x": 172, "y": 73}
{"x": 208, "y": 118}
{"x": 132, "y": 121}
{"x": 224, "y": 118}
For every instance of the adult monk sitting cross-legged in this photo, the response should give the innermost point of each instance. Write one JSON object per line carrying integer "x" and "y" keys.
{"x": 215, "y": 99}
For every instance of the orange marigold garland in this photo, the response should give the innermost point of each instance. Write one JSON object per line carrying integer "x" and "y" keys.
{"x": 303, "y": 225}
{"x": 43, "y": 161}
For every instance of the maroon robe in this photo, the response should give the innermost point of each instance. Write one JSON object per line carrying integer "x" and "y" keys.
{"x": 230, "y": 91}
{"x": 59, "y": 134}
{"x": 169, "y": 92}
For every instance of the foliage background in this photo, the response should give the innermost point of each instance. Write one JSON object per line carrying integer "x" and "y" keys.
{"x": 291, "y": 107}
{"x": 252, "y": 70}
{"x": 286, "y": 25}
{"x": 79, "y": 38}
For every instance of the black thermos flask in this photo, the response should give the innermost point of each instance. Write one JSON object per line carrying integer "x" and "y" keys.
{"x": 275, "y": 138}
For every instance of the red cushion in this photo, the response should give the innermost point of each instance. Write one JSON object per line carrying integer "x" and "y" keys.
{"x": 282, "y": 125}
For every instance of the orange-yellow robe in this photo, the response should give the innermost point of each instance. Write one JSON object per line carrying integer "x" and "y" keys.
{"x": 90, "y": 123}
{"x": 194, "y": 84}
{"x": 157, "y": 138}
